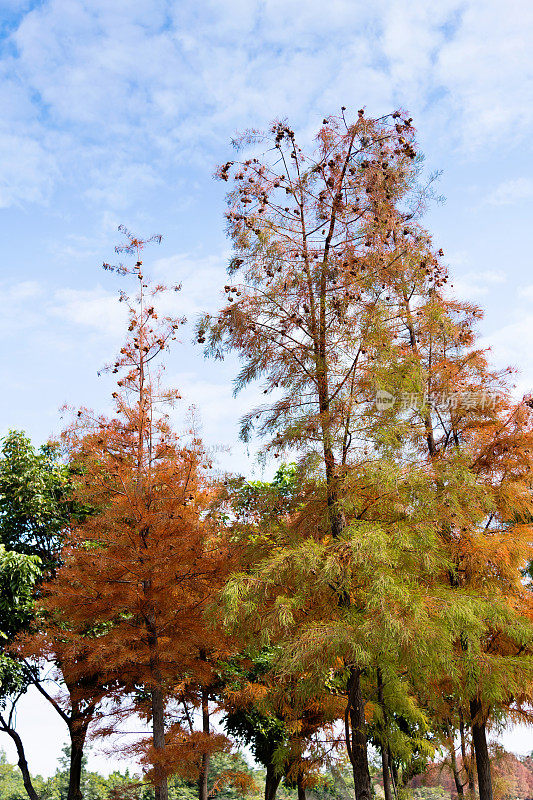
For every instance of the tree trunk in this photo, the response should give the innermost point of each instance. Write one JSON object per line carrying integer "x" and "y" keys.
{"x": 301, "y": 788}
{"x": 479, "y": 738}
{"x": 204, "y": 767}
{"x": 387, "y": 789}
{"x": 160, "y": 781}
{"x": 471, "y": 768}
{"x": 393, "y": 773}
{"x": 453, "y": 758}
{"x": 272, "y": 782}
{"x": 158, "y": 736}
{"x": 78, "y": 733}
{"x": 385, "y": 771}
{"x": 22, "y": 762}
{"x": 468, "y": 760}
{"x": 355, "y": 723}
{"x": 356, "y": 742}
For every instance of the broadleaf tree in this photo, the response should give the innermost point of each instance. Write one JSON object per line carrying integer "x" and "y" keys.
{"x": 35, "y": 509}
{"x": 18, "y": 576}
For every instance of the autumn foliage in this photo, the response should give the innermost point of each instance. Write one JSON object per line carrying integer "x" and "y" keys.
{"x": 139, "y": 571}
{"x": 339, "y": 302}
{"x": 375, "y": 593}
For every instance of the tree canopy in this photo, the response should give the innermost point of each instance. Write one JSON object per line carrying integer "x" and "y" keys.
{"x": 371, "y": 603}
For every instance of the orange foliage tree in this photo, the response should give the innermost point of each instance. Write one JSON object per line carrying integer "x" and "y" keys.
{"x": 459, "y": 422}
{"x": 312, "y": 232}
{"x": 337, "y": 298}
{"x": 139, "y": 571}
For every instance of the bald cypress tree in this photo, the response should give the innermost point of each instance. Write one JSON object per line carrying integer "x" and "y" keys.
{"x": 137, "y": 574}
{"x": 337, "y": 301}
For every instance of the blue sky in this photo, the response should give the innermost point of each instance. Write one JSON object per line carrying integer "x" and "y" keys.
{"x": 117, "y": 112}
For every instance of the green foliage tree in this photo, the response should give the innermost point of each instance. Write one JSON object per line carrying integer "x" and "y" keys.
{"x": 312, "y": 232}
{"x": 268, "y": 715}
{"x": 263, "y": 732}
{"x": 12, "y": 784}
{"x": 18, "y": 575}
{"x": 35, "y": 510}
{"x": 96, "y": 786}
{"x": 34, "y": 489}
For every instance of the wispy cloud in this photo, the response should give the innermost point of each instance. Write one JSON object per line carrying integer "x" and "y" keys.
{"x": 28, "y": 171}
{"x": 96, "y": 309}
{"x": 108, "y": 95}
{"x": 474, "y": 285}
{"x": 485, "y": 69}
{"x": 510, "y": 192}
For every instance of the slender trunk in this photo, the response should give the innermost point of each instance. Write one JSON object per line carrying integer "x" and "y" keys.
{"x": 471, "y": 768}
{"x": 301, "y": 788}
{"x": 393, "y": 773}
{"x": 204, "y": 766}
{"x": 158, "y": 716}
{"x": 77, "y": 721}
{"x": 336, "y": 516}
{"x": 387, "y": 789}
{"x": 22, "y": 762}
{"x": 160, "y": 781}
{"x": 453, "y": 758}
{"x": 78, "y": 733}
{"x": 158, "y": 737}
{"x": 355, "y": 723}
{"x": 272, "y": 782}
{"x": 462, "y": 737}
{"x": 356, "y": 741}
{"x": 468, "y": 760}
{"x": 479, "y": 738}
{"x": 384, "y": 746}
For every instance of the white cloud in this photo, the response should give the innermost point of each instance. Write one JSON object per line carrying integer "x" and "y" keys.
{"x": 511, "y": 192}
{"x": 526, "y": 292}
{"x": 413, "y": 34}
{"x": 21, "y": 307}
{"x": 510, "y": 343}
{"x": 511, "y": 346}
{"x": 485, "y": 68}
{"x": 218, "y": 412}
{"x": 93, "y": 308}
{"x": 13, "y": 6}
{"x": 87, "y": 325}
{"x": 115, "y": 184}
{"x": 27, "y": 171}
{"x": 200, "y": 276}
{"x": 473, "y": 285}
{"x": 32, "y": 304}
{"x": 64, "y": 316}
{"x": 21, "y": 291}
{"x": 110, "y": 96}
